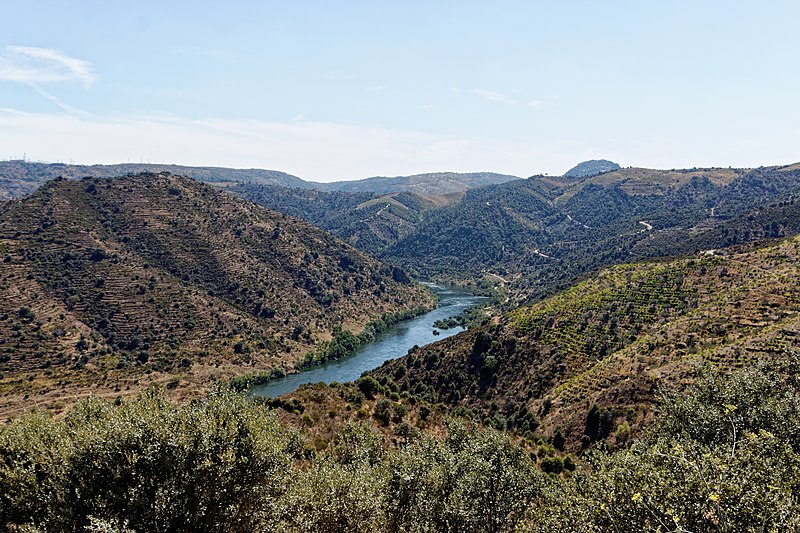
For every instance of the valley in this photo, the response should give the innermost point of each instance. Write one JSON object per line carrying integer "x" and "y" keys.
{"x": 630, "y": 311}
{"x": 390, "y": 344}
{"x": 399, "y": 267}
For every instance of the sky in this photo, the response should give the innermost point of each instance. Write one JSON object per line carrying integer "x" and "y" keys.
{"x": 334, "y": 90}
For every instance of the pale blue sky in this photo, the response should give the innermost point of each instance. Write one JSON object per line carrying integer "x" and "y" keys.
{"x": 344, "y": 90}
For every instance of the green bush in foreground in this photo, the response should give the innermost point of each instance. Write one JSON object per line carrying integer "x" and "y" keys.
{"x": 722, "y": 457}
{"x": 208, "y": 466}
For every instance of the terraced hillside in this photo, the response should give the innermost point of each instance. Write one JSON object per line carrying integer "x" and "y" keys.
{"x": 588, "y": 362}
{"x": 109, "y": 284}
{"x": 368, "y": 221}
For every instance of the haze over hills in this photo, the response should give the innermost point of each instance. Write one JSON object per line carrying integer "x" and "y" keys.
{"x": 108, "y": 284}
{"x": 432, "y": 184}
{"x": 18, "y": 178}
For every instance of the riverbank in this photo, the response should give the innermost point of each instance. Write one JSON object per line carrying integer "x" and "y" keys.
{"x": 393, "y": 342}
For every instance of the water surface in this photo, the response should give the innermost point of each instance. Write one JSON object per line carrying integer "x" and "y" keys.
{"x": 392, "y": 343}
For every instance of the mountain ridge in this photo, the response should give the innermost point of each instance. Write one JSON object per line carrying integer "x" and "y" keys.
{"x": 432, "y": 183}
{"x": 19, "y": 177}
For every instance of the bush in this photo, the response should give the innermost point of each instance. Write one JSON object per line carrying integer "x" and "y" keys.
{"x": 209, "y": 466}
{"x": 552, "y": 464}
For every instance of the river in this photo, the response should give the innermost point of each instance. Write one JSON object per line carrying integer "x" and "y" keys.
{"x": 392, "y": 343}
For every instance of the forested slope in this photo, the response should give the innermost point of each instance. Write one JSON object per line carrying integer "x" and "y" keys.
{"x": 587, "y": 362}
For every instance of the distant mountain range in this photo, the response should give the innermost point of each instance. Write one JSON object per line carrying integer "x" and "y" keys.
{"x": 432, "y": 184}
{"x": 108, "y": 284}
{"x": 535, "y": 235}
{"x": 18, "y": 178}
{"x": 540, "y": 233}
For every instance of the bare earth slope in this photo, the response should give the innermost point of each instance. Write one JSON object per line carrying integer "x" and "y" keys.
{"x": 109, "y": 284}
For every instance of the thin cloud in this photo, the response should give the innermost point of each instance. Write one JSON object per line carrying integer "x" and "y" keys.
{"x": 58, "y": 101}
{"x": 501, "y": 98}
{"x": 28, "y": 64}
{"x": 494, "y": 96}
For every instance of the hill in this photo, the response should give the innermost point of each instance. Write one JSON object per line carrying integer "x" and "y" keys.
{"x": 489, "y": 227}
{"x": 591, "y": 168}
{"x": 587, "y": 362}
{"x": 109, "y": 284}
{"x": 18, "y": 178}
{"x": 537, "y": 235}
{"x": 368, "y": 221}
{"x": 542, "y": 233}
{"x": 432, "y": 184}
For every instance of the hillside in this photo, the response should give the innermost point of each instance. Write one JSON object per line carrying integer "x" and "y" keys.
{"x": 489, "y": 227}
{"x": 534, "y": 236}
{"x": 18, "y": 178}
{"x": 431, "y": 184}
{"x": 109, "y": 284}
{"x": 541, "y": 233}
{"x": 368, "y": 221}
{"x": 588, "y": 362}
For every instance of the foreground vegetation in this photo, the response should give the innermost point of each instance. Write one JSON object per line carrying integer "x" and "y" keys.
{"x": 723, "y": 457}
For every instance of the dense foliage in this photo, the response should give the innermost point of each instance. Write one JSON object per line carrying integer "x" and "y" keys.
{"x": 723, "y": 457}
